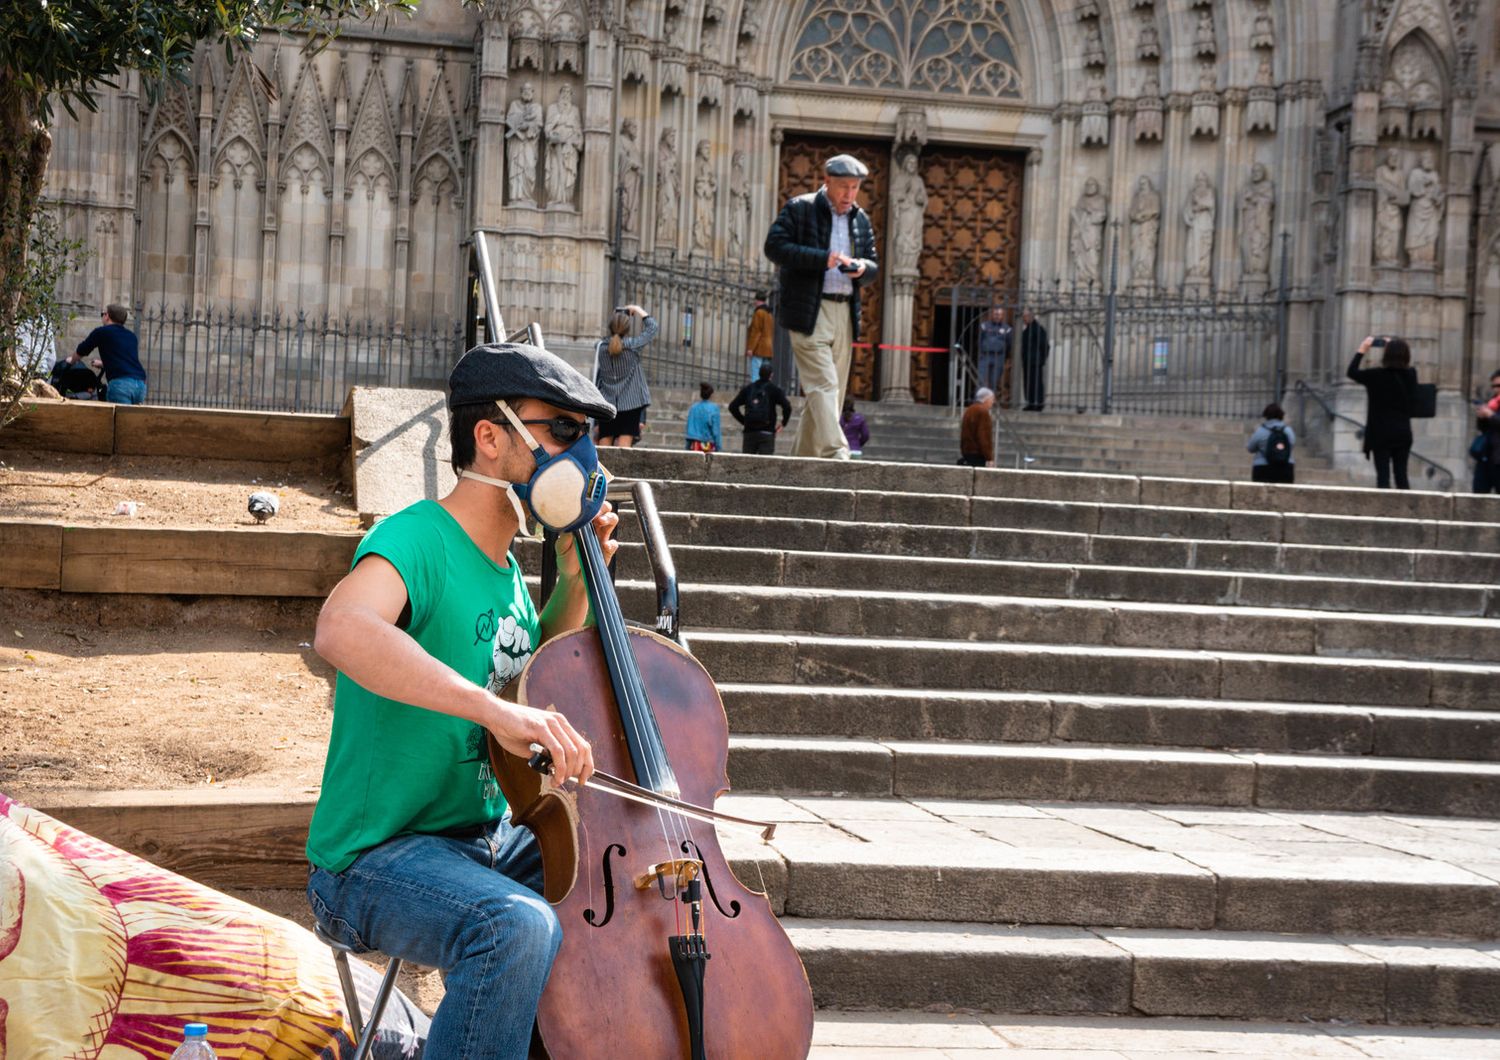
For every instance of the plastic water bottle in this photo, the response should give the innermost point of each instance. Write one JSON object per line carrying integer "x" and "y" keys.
{"x": 194, "y": 1044}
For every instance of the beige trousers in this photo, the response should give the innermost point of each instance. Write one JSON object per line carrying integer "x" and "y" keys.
{"x": 823, "y": 370}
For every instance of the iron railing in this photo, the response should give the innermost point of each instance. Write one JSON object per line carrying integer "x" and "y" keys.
{"x": 291, "y": 362}
{"x": 1153, "y": 353}
{"x": 704, "y": 312}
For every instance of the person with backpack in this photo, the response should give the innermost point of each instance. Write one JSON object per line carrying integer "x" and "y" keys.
{"x": 755, "y": 408}
{"x": 1272, "y": 443}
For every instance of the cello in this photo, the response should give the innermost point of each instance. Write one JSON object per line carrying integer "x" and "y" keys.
{"x": 665, "y": 954}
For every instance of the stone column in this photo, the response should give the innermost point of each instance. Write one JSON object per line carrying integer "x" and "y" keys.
{"x": 336, "y": 218}
{"x": 406, "y": 134}
{"x": 1031, "y": 190}
{"x": 1065, "y": 121}
{"x": 487, "y": 181}
{"x": 1174, "y": 188}
{"x": 271, "y": 201}
{"x": 1234, "y": 173}
{"x": 205, "y": 166}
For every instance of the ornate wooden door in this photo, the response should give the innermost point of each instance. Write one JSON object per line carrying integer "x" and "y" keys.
{"x": 802, "y": 158}
{"x": 972, "y": 234}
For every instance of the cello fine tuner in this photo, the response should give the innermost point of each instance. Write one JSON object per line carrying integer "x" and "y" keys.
{"x": 681, "y": 871}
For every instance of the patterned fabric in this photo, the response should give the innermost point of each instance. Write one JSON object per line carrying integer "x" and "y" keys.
{"x": 103, "y": 954}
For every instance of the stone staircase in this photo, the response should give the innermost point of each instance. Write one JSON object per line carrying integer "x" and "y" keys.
{"x": 1196, "y": 447}
{"x": 1052, "y": 743}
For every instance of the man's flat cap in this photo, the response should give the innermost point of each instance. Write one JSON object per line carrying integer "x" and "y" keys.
{"x": 845, "y": 166}
{"x": 516, "y": 370}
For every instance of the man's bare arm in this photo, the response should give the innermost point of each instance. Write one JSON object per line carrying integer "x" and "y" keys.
{"x": 357, "y": 634}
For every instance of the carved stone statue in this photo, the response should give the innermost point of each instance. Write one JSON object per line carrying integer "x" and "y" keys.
{"x": 1145, "y": 223}
{"x": 1147, "y": 123}
{"x": 1086, "y": 241}
{"x": 739, "y": 205}
{"x": 1260, "y": 111}
{"x": 668, "y": 188}
{"x": 523, "y": 129}
{"x": 1147, "y": 42}
{"x": 1263, "y": 30}
{"x": 1093, "y": 45}
{"x": 1199, "y": 214}
{"x": 1203, "y": 120}
{"x": 628, "y": 170}
{"x": 1424, "y": 220}
{"x": 1390, "y": 208}
{"x": 675, "y": 30}
{"x": 636, "y": 17}
{"x": 1093, "y": 127}
{"x": 750, "y": 19}
{"x": 908, "y": 214}
{"x": 1204, "y": 42}
{"x": 564, "y": 132}
{"x": 705, "y": 199}
{"x": 1257, "y": 208}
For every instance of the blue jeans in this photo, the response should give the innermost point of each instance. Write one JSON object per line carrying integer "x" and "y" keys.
{"x": 127, "y": 391}
{"x": 755, "y": 363}
{"x": 467, "y": 906}
{"x": 991, "y": 368}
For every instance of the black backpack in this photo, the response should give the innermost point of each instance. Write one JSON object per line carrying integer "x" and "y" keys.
{"x": 1278, "y": 447}
{"x": 760, "y": 411}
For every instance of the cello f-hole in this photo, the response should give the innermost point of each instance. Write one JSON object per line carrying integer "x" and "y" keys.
{"x": 691, "y": 847}
{"x": 589, "y": 916}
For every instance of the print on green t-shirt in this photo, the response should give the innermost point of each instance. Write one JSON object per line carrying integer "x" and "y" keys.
{"x": 393, "y": 768}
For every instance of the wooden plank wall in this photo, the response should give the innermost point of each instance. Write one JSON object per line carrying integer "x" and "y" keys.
{"x": 220, "y": 837}
{"x": 145, "y": 559}
{"x": 159, "y": 430}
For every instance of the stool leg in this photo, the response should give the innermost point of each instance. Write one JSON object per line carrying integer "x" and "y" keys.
{"x": 351, "y": 996}
{"x": 387, "y": 986}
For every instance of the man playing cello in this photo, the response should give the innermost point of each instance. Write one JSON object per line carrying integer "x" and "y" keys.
{"x": 412, "y": 848}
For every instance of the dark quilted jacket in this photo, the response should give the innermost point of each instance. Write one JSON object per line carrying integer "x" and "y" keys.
{"x": 798, "y": 243}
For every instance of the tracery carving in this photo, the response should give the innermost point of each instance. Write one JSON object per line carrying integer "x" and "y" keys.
{"x": 241, "y": 118}
{"x": 526, "y": 39}
{"x": 172, "y": 116}
{"x": 1411, "y": 96}
{"x": 959, "y": 47}
{"x": 372, "y": 142}
{"x": 307, "y": 124}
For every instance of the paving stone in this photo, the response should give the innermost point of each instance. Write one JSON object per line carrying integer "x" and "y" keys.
{"x": 1319, "y": 680}
{"x": 1184, "y": 493}
{"x": 1052, "y": 485}
{"x": 1326, "y": 500}
{"x": 1457, "y": 735}
{"x": 1386, "y": 784}
{"x": 759, "y": 764}
{"x": 1167, "y": 1036}
{"x": 1432, "y": 983}
{"x": 1036, "y": 515}
{"x": 1214, "y": 724}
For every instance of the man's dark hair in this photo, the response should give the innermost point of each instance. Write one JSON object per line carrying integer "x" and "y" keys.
{"x": 760, "y": 296}
{"x": 1397, "y": 354}
{"x": 705, "y": 391}
{"x": 1495, "y": 375}
{"x": 117, "y": 313}
{"x": 461, "y": 423}
{"x": 764, "y": 373}
{"x": 1273, "y": 411}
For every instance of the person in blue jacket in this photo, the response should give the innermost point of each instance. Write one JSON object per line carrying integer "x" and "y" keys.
{"x": 703, "y": 424}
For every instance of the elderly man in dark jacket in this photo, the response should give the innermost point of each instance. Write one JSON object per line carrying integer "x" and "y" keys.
{"x": 825, "y": 248}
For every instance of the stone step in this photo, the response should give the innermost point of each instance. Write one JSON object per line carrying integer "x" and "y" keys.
{"x": 769, "y": 567}
{"x": 835, "y": 537}
{"x": 1081, "y": 864}
{"x": 776, "y": 658}
{"x": 784, "y": 765}
{"x": 835, "y": 478}
{"x": 1114, "y": 623}
{"x": 1116, "y": 721}
{"x": 1116, "y": 520}
{"x": 863, "y": 964}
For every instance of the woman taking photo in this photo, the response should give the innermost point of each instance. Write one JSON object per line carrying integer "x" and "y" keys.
{"x": 620, "y": 377}
{"x": 1392, "y": 388}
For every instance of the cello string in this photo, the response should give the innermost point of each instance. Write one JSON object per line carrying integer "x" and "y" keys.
{"x": 610, "y": 622}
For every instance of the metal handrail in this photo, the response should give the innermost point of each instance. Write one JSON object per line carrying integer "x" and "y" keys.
{"x": 1433, "y": 470}
{"x": 1003, "y": 422}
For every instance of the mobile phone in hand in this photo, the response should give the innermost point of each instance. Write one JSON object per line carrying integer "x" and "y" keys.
{"x": 850, "y": 267}
{"x": 1379, "y": 341}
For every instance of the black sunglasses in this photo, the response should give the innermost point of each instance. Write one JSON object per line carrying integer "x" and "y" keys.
{"x": 564, "y": 429}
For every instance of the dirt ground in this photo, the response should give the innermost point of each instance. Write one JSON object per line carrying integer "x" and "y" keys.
{"x": 84, "y": 489}
{"x": 103, "y": 691}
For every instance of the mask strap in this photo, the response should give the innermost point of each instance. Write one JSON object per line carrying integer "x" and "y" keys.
{"x": 515, "y": 421}
{"x": 510, "y": 493}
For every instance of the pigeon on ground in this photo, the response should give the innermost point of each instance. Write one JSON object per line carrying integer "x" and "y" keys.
{"x": 263, "y": 505}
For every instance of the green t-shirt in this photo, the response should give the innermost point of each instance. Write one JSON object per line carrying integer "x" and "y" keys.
{"x": 393, "y": 768}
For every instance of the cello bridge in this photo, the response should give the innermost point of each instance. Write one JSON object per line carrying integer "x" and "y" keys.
{"x": 679, "y": 871}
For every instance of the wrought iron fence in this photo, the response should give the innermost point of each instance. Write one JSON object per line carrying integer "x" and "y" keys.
{"x": 283, "y": 361}
{"x": 704, "y": 312}
{"x": 1158, "y": 353}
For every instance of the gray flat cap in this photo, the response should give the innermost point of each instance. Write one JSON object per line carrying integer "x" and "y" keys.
{"x": 516, "y": 370}
{"x": 845, "y": 166}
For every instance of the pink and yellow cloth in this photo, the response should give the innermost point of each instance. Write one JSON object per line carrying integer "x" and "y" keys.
{"x": 104, "y": 955}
